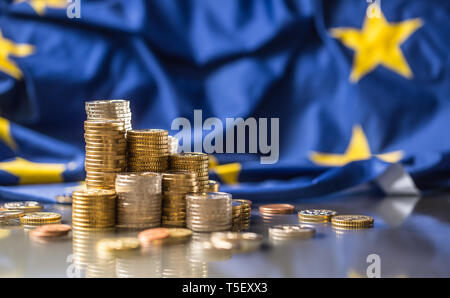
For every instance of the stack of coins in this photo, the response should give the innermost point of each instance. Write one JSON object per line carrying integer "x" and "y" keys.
{"x": 93, "y": 209}
{"x": 193, "y": 162}
{"x": 173, "y": 144}
{"x": 246, "y": 213}
{"x": 105, "y": 152}
{"x": 288, "y": 232}
{"x": 116, "y": 109}
{"x": 315, "y": 215}
{"x": 349, "y": 222}
{"x": 176, "y": 184}
{"x": 138, "y": 200}
{"x": 209, "y": 212}
{"x": 213, "y": 186}
{"x": 147, "y": 150}
{"x": 40, "y": 218}
{"x": 275, "y": 213}
{"x": 237, "y": 216}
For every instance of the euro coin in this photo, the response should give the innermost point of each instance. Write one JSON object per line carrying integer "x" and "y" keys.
{"x": 25, "y": 206}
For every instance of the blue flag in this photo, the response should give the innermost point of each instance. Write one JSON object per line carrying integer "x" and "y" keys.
{"x": 355, "y": 87}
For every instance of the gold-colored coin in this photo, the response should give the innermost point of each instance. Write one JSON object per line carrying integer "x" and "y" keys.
{"x": 352, "y": 221}
{"x": 316, "y": 215}
{"x": 40, "y": 217}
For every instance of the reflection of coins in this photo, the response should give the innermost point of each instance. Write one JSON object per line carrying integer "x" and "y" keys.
{"x": 10, "y": 214}
{"x": 284, "y": 232}
{"x": 26, "y": 206}
{"x": 154, "y": 234}
{"x": 352, "y": 221}
{"x": 118, "y": 244}
{"x": 276, "y": 209}
{"x": 316, "y": 215}
{"x": 179, "y": 233}
{"x": 238, "y": 242}
{"x": 40, "y": 218}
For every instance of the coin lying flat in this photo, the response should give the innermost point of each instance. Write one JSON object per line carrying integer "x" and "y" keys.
{"x": 25, "y": 206}
{"x": 40, "y": 217}
{"x": 352, "y": 221}
{"x": 11, "y": 214}
{"x": 276, "y": 209}
{"x": 316, "y": 215}
{"x": 284, "y": 232}
{"x": 52, "y": 230}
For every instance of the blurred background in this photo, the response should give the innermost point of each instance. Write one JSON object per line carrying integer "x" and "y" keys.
{"x": 358, "y": 87}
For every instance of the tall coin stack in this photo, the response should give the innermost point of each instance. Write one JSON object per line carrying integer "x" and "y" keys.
{"x": 237, "y": 208}
{"x": 116, "y": 109}
{"x": 138, "y": 200}
{"x": 105, "y": 152}
{"x": 193, "y": 162}
{"x": 147, "y": 150}
{"x": 173, "y": 144}
{"x": 176, "y": 184}
{"x": 209, "y": 212}
{"x": 93, "y": 209}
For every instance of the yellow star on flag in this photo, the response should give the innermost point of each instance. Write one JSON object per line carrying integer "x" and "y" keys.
{"x": 358, "y": 149}
{"x": 8, "y": 48}
{"x": 40, "y": 6}
{"x": 228, "y": 173}
{"x": 32, "y": 172}
{"x": 5, "y": 134}
{"x": 377, "y": 43}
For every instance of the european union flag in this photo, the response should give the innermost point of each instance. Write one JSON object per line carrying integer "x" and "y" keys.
{"x": 360, "y": 89}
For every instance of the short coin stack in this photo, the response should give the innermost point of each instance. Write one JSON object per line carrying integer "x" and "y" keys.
{"x": 213, "y": 186}
{"x": 237, "y": 208}
{"x": 349, "y": 222}
{"x": 105, "y": 152}
{"x": 316, "y": 215}
{"x": 40, "y": 218}
{"x": 176, "y": 184}
{"x": 148, "y": 150}
{"x": 25, "y": 206}
{"x": 138, "y": 200}
{"x": 93, "y": 209}
{"x": 246, "y": 213}
{"x": 116, "y": 109}
{"x": 193, "y": 162}
{"x": 209, "y": 212}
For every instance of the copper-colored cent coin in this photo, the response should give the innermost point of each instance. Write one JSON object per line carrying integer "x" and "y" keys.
{"x": 276, "y": 208}
{"x": 51, "y": 230}
{"x": 150, "y": 235}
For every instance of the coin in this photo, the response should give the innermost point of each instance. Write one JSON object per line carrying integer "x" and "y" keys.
{"x": 316, "y": 215}
{"x": 352, "y": 221}
{"x": 40, "y": 217}
{"x": 51, "y": 230}
{"x": 209, "y": 212}
{"x": 25, "y": 206}
{"x": 276, "y": 209}
{"x": 11, "y": 214}
{"x": 154, "y": 234}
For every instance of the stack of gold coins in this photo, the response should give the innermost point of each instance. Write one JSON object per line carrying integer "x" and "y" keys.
{"x": 237, "y": 216}
{"x": 147, "y": 150}
{"x": 116, "y": 109}
{"x": 348, "y": 222}
{"x": 40, "y": 218}
{"x": 176, "y": 184}
{"x": 315, "y": 215}
{"x": 246, "y": 213}
{"x": 138, "y": 200}
{"x": 93, "y": 209}
{"x": 213, "y": 186}
{"x": 193, "y": 162}
{"x": 209, "y": 212}
{"x": 173, "y": 144}
{"x": 105, "y": 152}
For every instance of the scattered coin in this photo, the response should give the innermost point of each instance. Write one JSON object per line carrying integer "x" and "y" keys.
{"x": 285, "y": 232}
{"x": 316, "y": 215}
{"x": 52, "y": 230}
{"x": 25, "y": 206}
{"x": 40, "y": 218}
{"x": 10, "y": 214}
{"x": 276, "y": 209}
{"x": 352, "y": 221}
